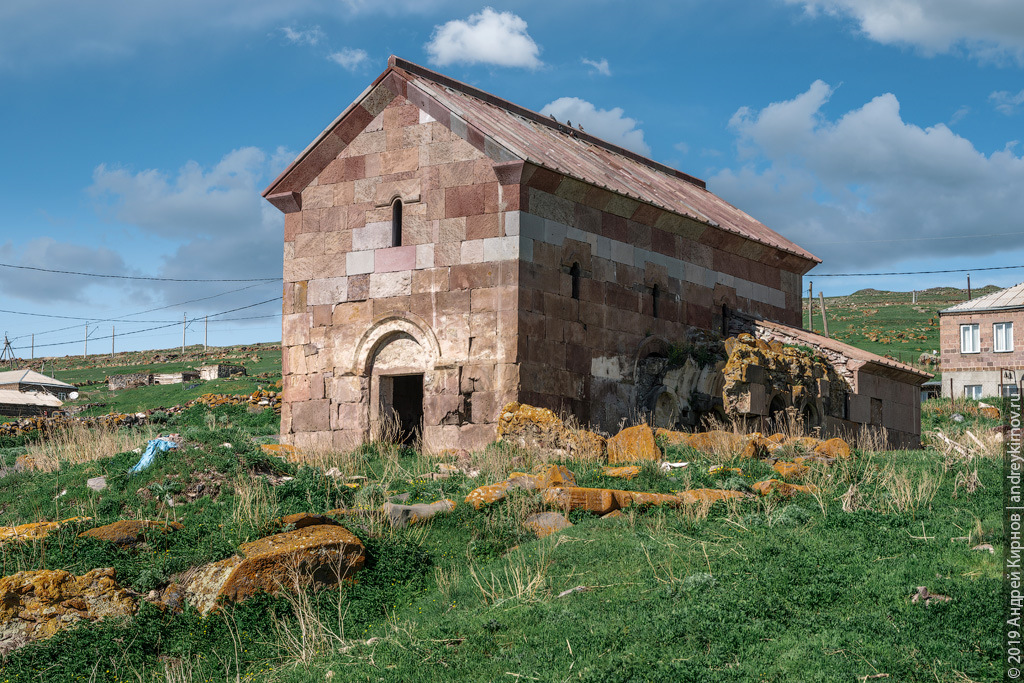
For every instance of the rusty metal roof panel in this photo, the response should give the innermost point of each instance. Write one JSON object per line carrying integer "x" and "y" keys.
{"x": 548, "y": 143}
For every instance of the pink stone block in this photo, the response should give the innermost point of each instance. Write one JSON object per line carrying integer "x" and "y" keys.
{"x": 394, "y": 259}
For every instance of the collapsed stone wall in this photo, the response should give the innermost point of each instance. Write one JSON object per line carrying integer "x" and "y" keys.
{"x": 130, "y": 381}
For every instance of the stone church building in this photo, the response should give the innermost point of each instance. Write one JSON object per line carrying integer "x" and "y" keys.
{"x": 447, "y": 251}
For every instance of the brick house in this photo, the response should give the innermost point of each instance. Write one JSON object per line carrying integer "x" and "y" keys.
{"x": 982, "y": 345}
{"x": 447, "y": 251}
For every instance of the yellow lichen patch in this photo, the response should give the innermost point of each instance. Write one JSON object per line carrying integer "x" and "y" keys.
{"x": 782, "y": 488}
{"x": 300, "y": 520}
{"x": 672, "y": 438}
{"x": 808, "y": 443}
{"x": 695, "y": 496}
{"x": 129, "y": 531}
{"x": 633, "y": 444}
{"x": 627, "y": 498}
{"x": 485, "y": 495}
{"x": 546, "y": 523}
{"x": 540, "y": 429}
{"x": 598, "y": 501}
{"x": 833, "y": 448}
{"x": 35, "y": 605}
{"x": 790, "y": 470}
{"x": 612, "y": 515}
{"x": 757, "y": 446}
{"x": 725, "y": 471}
{"x": 625, "y": 472}
{"x": 35, "y": 530}
{"x": 318, "y": 555}
{"x": 553, "y": 475}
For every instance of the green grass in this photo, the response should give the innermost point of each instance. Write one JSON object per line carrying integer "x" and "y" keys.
{"x": 766, "y": 590}
{"x": 887, "y": 323}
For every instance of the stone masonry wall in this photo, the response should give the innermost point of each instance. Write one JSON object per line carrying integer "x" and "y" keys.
{"x": 984, "y": 367}
{"x": 444, "y": 303}
{"x": 579, "y": 356}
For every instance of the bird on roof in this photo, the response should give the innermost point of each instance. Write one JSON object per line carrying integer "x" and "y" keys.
{"x": 568, "y": 123}
{"x": 580, "y": 126}
{"x": 552, "y": 117}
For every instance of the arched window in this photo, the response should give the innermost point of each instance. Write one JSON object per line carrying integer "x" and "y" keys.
{"x": 655, "y": 300}
{"x": 396, "y": 222}
{"x": 574, "y": 273}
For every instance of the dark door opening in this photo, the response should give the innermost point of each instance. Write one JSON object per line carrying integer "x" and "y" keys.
{"x": 407, "y": 401}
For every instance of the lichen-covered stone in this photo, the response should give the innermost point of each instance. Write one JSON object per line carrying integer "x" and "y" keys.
{"x": 541, "y": 430}
{"x": 318, "y": 555}
{"x": 695, "y": 496}
{"x": 598, "y": 501}
{"x": 129, "y": 532}
{"x": 34, "y": 531}
{"x": 790, "y": 470}
{"x": 672, "y": 438}
{"x": 624, "y": 472}
{"x": 717, "y": 441}
{"x": 549, "y": 475}
{"x": 283, "y": 450}
{"x": 633, "y": 444}
{"x": 783, "y": 489}
{"x": 546, "y": 523}
{"x": 833, "y": 448}
{"x": 35, "y": 605}
{"x": 627, "y": 498}
{"x": 300, "y": 520}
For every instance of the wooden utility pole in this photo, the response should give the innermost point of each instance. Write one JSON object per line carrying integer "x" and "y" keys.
{"x": 824, "y": 318}
{"x": 968, "y": 287}
{"x": 206, "y": 331}
{"x": 184, "y": 318}
{"x": 87, "y": 340}
{"x": 111, "y": 341}
{"x": 810, "y": 305}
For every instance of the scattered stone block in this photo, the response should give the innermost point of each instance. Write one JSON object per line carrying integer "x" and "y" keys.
{"x": 35, "y": 605}
{"x": 785, "y": 490}
{"x": 282, "y": 450}
{"x": 301, "y": 520}
{"x": 717, "y": 441}
{"x": 790, "y": 470}
{"x": 553, "y": 475}
{"x": 35, "y": 531}
{"x": 97, "y": 483}
{"x": 612, "y": 515}
{"x": 624, "y": 472}
{"x": 546, "y": 523}
{"x": 633, "y": 444}
{"x": 129, "y": 532}
{"x": 598, "y": 501}
{"x": 402, "y": 515}
{"x": 696, "y": 496}
{"x": 833, "y": 448}
{"x": 671, "y": 438}
{"x": 320, "y": 555}
{"x": 540, "y": 429}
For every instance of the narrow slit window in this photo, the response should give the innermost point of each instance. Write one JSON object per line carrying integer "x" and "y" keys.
{"x": 574, "y": 273}
{"x": 396, "y": 222}
{"x": 655, "y": 300}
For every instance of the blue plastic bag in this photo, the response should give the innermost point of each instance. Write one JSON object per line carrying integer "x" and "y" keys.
{"x": 152, "y": 448}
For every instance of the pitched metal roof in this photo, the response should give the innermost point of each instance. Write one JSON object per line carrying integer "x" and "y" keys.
{"x": 522, "y": 134}
{"x": 31, "y": 377}
{"x": 1011, "y": 297}
{"x": 10, "y": 397}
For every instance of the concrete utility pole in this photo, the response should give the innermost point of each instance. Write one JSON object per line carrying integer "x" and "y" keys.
{"x": 206, "y": 331}
{"x": 111, "y": 341}
{"x": 184, "y": 318}
{"x": 824, "y": 319}
{"x": 87, "y": 340}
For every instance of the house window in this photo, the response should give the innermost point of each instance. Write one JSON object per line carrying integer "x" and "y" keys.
{"x": 655, "y": 300}
{"x": 575, "y": 273}
{"x": 972, "y": 390}
{"x": 1003, "y": 335}
{"x": 1009, "y": 390}
{"x": 396, "y": 222}
{"x": 970, "y": 338}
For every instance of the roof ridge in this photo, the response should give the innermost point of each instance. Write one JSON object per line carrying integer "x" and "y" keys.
{"x": 396, "y": 62}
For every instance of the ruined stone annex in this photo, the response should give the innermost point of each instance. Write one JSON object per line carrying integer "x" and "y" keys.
{"x": 447, "y": 252}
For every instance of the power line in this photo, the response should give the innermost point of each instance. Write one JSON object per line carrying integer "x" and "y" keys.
{"x": 138, "y": 277}
{"x": 922, "y": 239}
{"x": 913, "y": 272}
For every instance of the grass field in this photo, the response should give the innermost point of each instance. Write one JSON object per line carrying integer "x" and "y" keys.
{"x": 817, "y": 588}
{"x": 888, "y": 323}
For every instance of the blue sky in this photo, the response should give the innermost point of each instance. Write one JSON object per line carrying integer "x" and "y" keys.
{"x": 882, "y": 135}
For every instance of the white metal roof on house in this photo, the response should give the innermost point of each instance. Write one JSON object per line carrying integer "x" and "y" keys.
{"x": 11, "y": 397}
{"x": 31, "y": 377}
{"x": 1011, "y": 297}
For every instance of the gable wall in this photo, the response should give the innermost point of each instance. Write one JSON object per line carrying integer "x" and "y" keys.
{"x": 451, "y": 286}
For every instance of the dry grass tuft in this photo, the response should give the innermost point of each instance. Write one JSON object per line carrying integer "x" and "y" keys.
{"x": 520, "y": 580}
{"x": 76, "y": 444}
{"x": 255, "y": 503}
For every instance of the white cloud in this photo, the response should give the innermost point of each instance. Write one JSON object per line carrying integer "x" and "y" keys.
{"x": 311, "y": 36}
{"x": 217, "y": 222}
{"x": 1007, "y": 102}
{"x": 600, "y": 66}
{"x": 959, "y": 115}
{"x": 488, "y": 37}
{"x": 869, "y": 177}
{"x": 988, "y": 29}
{"x": 348, "y": 58}
{"x": 611, "y": 125}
